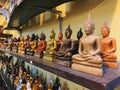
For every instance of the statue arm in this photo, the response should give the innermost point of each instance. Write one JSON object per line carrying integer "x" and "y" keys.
{"x": 113, "y": 44}
{"x": 97, "y": 48}
{"x": 55, "y": 45}
{"x": 80, "y": 48}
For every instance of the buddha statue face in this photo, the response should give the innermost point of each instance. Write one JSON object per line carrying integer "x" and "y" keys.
{"x": 105, "y": 30}
{"x": 88, "y": 29}
{"x": 52, "y": 34}
{"x": 21, "y": 38}
{"x": 89, "y": 26}
{"x": 42, "y": 36}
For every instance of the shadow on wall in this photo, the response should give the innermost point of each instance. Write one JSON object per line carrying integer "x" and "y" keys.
{"x": 80, "y": 6}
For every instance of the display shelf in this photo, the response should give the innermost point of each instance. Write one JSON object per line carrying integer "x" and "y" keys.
{"x": 109, "y": 81}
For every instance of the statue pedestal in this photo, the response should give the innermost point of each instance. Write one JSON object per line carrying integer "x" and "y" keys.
{"x": 87, "y": 69}
{"x": 62, "y": 62}
{"x": 48, "y": 58}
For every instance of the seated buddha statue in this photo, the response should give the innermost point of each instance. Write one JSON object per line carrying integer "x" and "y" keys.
{"x": 14, "y": 44}
{"x": 108, "y": 48}
{"x": 88, "y": 59}
{"x": 41, "y": 46}
{"x": 32, "y": 45}
{"x": 21, "y": 45}
{"x": 51, "y": 47}
{"x": 63, "y": 56}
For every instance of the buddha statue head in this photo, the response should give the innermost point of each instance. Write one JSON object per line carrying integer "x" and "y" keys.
{"x": 42, "y": 36}
{"x": 105, "y": 30}
{"x": 89, "y": 26}
{"x": 52, "y": 34}
{"x": 68, "y": 32}
{"x": 21, "y": 38}
{"x": 27, "y": 37}
{"x": 33, "y": 37}
{"x": 79, "y": 34}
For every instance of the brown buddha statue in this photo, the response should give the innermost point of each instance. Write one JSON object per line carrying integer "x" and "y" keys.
{"x": 88, "y": 59}
{"x": 21, "y": 45}
{"x": 63, "y": 56}
{"x": 51, "y": 47}
{"x": 108, "y": 48}
{"x": 41, "y": 46}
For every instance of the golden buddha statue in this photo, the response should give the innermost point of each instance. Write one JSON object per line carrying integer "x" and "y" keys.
{"x": 21, "y": 45}
{"x": 88, "y": 59}
{"x": 108, "y": 48}
{"x": 51, "y": 47}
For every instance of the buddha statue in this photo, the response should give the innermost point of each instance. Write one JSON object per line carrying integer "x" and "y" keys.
{"x": 21, "y": 45}
{"x": 108, "y": 48}
{"x": 51, "y": 47}
{"x": 14, "y": 44}
{"x": 32, "y": 45}
{"x": 60, "y": 41}
{"x": 88, "y": 59}
{"x": 41, "y": 46}
{"x": 27, "y": 41}
{"x": 57, "y": 85}
{"x": 63, "y": 56}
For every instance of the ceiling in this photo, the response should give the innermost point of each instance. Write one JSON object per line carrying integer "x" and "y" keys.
{"x": 29, "y": 8}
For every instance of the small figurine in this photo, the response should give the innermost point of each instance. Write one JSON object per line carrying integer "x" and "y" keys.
{"x": 21, "y": 45}
{"x": 60, "y": 41}
{"x": 41, "y": 46}
{"x": 88, "y": 59}
{"x": 63, "y": 56}
{"x": 32, "y": 45}
{"x": 14, "y": 45}
{"x": 57, "y": 85}
{"x": 108, "y": 48}
{"x": 51, "y": 47}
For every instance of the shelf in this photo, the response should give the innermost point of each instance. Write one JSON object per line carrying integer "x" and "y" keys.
{"x": 109, "y": 81}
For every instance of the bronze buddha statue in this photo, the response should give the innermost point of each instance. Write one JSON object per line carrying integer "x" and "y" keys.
{"x": 108, "y": 48}
{"x": 63, "y": 56}
{"x": 88, "y": 59}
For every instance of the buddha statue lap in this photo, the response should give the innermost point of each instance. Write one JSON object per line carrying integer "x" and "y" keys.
{"x": 41, "y": 46}
{"x": 63, "y": 56}
{"x": 51, "y": 47}
{"x": 32, "y": 45}
{"x": 88, "y": 59}
{"x": 21, "y": 45}
{"x": 108, "y": 48}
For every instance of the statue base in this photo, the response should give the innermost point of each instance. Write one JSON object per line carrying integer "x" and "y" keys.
{"x": 87, "y": 69}
{"x": 48, "y": 58}
{"x": 38, "y": 55}
{"x": 62, "y": 62}
{"x": 31, "y": 53}
{"x": 14, "y": 49}
{"x": 110, "y": 64}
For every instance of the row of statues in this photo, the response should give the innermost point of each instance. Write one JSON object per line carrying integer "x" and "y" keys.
{"x": 87, "y": 54}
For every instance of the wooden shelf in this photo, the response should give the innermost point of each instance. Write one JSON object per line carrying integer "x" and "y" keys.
{"x": 109, "y": 81}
